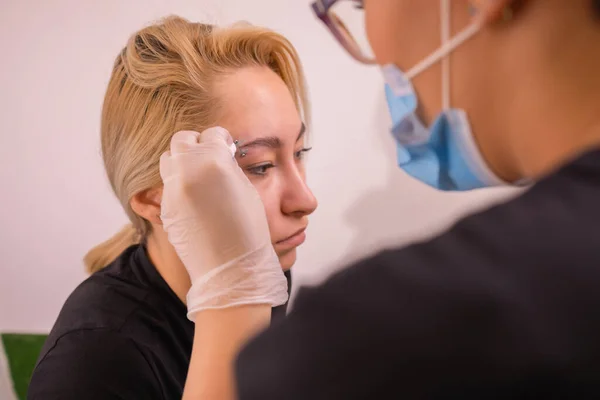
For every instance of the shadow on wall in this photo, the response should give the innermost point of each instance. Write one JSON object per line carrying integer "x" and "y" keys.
{"x": 407, "y": 210}
{"x": 379, "y": 217}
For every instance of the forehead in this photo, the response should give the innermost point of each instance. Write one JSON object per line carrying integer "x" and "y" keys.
{"x": 256, "y": 103}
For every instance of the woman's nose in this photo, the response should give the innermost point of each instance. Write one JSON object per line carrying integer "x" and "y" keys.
{"x": 298, "y": 199}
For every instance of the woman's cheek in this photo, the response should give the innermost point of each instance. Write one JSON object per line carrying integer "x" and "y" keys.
{"x": 269, "y": 199}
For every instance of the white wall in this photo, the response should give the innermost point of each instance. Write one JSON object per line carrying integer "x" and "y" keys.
{"x": 56, "y": 57}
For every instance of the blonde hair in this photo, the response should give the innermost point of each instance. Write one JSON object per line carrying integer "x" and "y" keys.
{"x": 161, "y": 83}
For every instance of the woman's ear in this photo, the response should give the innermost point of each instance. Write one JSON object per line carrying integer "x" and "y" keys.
{"x": 146, "y": 204}
{"x": 493, "y": 11}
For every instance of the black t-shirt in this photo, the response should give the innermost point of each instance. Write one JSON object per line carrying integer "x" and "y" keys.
{"x": 122, "y": 334}
{"x": 504, "y": 305}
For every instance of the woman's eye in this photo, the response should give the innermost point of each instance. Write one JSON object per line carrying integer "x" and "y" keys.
{"x": 260, "y": 170}
{"x": 300, "y": 153}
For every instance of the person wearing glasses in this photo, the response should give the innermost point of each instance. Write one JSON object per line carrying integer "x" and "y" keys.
{"x": 505, "y": 303}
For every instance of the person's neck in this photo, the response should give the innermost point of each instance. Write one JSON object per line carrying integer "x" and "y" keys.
{"x": 549, "y": 113}
{"x": 168, "y": 264}
{"x": 559, "y": 119}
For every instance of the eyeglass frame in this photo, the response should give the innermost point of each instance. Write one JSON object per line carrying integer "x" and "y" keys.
{"x": 322, "y": 9}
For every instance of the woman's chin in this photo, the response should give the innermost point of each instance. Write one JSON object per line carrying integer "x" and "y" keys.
{"x": 287, "y": 259}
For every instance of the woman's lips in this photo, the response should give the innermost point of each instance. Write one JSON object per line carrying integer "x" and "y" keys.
{"x": 292, "y": 241}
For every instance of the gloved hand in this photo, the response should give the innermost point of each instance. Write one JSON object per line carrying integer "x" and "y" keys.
{"x": 216, "y": 221}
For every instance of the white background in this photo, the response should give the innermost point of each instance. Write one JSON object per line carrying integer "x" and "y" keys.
{"x": 55, "y": 62}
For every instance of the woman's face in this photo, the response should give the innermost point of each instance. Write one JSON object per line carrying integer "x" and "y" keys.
{"x": 259, "y": 112}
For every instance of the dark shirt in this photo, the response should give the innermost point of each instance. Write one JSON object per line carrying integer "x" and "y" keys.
{"x": 504, "y": 305}
{"x": 122, "y": 334}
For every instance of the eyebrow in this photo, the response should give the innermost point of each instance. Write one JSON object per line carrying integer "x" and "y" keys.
{"x": 272, "y": 142}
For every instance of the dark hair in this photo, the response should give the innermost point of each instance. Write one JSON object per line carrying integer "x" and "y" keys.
{"x": 596, "y": 7}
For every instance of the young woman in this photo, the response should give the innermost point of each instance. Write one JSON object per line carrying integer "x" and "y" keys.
{"x": 124, "y": 332}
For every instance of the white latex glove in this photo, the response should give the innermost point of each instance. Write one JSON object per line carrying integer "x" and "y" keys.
{"x": 216, "y": 221}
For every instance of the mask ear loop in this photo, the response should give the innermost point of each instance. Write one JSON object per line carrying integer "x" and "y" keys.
{"x": 445, "y": 49}
{"x": 445, "y": 13}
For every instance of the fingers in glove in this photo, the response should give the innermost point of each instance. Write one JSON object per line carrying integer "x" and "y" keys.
{"x": 182, "y": 141}
{"x": 216, "y": 134}
{"x": 215, "y": 139}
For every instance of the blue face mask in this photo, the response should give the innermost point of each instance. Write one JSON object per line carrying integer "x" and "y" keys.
{"x": 444, "y": 155}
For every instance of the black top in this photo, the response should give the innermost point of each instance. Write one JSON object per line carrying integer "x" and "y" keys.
{"x": 504, "y": 305}
{"x": 122, "y": 334}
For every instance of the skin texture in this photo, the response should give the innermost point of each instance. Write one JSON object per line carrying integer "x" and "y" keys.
{"x": 529, "y": 83}
{"x": 256, "y": 105}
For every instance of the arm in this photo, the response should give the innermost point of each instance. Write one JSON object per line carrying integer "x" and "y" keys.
{"x": 219, "y": 337}
{"x": 94, "y": 365}
{"x": 222, "y": 237}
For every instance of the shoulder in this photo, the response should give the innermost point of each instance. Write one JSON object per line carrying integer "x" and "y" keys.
{"x": 114, "y": 303}
{"x": 99, "y": 333}
{"x": 110, "y": 299}
{"x": 103, "y": 301}
{"x": 93, "y": 364}
{"x": 120, "y": 325}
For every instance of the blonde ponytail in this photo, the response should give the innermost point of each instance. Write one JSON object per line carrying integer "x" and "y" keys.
{"x": 162, "y": 82}
{"x": 106, "y": 252}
